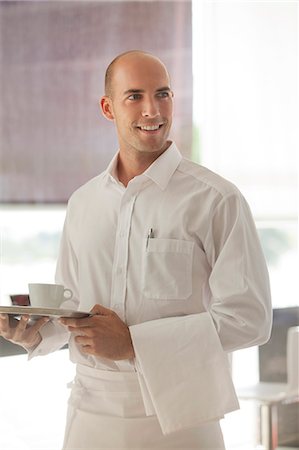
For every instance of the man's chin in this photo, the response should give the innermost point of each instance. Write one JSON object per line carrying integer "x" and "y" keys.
{"x": 155, "y": 146}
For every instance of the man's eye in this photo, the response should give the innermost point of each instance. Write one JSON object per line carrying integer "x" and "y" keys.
{"x": 134, "y": 97}
{"x": 163, "y": 94}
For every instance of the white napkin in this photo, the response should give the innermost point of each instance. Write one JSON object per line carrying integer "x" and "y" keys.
{"x": 183, "y": 371}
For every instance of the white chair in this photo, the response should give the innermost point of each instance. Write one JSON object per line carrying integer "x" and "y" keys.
{"x": 279, "y": 384}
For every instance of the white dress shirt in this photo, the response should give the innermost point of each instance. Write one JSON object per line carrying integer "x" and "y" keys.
{"x": 176, "y": 255}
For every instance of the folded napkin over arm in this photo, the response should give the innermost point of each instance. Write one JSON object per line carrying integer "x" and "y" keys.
{"x": 183, "y": 371}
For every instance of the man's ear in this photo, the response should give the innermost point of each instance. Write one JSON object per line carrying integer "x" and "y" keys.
{"x": 106, "y": 107}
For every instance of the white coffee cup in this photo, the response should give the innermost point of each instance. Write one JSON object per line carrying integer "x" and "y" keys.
{"x": 48, "y": 295}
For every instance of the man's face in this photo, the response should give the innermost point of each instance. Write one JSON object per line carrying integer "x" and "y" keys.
{"x": 141, "y": 104}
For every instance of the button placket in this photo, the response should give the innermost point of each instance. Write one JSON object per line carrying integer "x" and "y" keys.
{"x": 119, "y": 278}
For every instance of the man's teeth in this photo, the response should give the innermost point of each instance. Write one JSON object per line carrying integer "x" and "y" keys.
{"x": 150, "y": 128}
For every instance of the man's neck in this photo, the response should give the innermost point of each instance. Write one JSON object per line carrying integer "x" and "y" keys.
{"x": 130, "y": 165}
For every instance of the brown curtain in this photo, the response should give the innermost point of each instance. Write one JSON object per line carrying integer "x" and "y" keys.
{"x": 53, "y": 56}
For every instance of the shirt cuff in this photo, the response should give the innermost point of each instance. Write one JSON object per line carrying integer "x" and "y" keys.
{"x": 184, "y": 372}
{"x": 54, "y": 336}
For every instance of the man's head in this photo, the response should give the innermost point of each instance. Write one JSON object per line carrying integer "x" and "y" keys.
{"x": 113, "y": 65}
{"x": 138, "y": 98}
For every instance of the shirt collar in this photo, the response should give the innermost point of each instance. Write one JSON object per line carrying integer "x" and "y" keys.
{"x": 111, "y": 170}
{"x": 160, "y": 171}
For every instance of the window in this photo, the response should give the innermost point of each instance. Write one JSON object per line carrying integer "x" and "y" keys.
{"x": 245, "y": 67}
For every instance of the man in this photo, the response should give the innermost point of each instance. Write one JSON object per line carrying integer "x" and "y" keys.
{"x": 166, "y": 256}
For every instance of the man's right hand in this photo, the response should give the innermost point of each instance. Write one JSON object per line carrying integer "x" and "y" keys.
{"x": 20, "y": 332}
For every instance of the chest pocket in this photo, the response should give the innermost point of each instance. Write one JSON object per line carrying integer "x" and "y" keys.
{"x": 167, "y": 269}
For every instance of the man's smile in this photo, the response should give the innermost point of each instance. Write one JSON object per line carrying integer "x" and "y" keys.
{"x": 151, "y": 129}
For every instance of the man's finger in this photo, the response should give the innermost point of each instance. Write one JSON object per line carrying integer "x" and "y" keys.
{"x": 74, "y": 323}
{"x": 4, "y": 322}
{"x": 4, "y": 318}
{"x": 77, "y": 323}
{"x": 20, "y": 328}
{"x": 22, "y": 324}
{"x": 78, "y": 330}
{"x": 101, "y": 310}
{"x": 83, "y": 340}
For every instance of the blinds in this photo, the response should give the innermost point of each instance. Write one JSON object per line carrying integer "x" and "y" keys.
{"x": 53, "y": 56}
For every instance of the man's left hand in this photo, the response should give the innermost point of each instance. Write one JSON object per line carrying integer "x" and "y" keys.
{"x": 104, "y": 334}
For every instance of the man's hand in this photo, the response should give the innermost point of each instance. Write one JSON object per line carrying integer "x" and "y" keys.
{"x": 20, "y": 332}
{"x": 104, "y": 334}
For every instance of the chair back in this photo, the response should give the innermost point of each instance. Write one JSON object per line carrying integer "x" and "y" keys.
{"x": 273, "y": 354}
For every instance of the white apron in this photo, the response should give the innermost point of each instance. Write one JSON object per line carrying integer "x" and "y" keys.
{"x": 106, "y": 411}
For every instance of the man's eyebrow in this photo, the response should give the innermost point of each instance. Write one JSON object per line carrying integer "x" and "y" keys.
{"x": 141, "y": 91}
{"x": 165, "y": 88}
{"x": 133, "y": 91}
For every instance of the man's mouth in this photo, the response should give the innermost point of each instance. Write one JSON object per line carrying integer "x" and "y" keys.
{"x": 150, "y": 128}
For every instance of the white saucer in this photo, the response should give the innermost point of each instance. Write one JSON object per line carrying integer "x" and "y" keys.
{"x": 17, "y": 311}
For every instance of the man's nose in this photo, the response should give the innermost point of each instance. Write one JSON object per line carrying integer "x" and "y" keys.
{"x": 150, "y": 108}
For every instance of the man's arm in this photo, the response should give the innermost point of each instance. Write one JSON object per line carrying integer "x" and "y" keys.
{"x": 240, "y": 302}
{"x": 183, "y": 359}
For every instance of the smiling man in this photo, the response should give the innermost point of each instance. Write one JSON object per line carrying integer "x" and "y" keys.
{"x": 140, "y": 101}
{"x": 165, "y": 255}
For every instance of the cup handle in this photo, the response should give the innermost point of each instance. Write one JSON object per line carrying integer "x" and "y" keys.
{"x": 69, "y": 294}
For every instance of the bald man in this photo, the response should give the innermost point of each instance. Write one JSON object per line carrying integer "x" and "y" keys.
{"x": 165, "y": 255}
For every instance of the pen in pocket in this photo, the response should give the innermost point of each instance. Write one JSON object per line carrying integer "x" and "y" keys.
{"x": 150, "y": 235}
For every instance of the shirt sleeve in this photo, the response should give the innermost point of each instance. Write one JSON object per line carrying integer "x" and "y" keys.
{"x": 54, "y": 335}
{"x": 240, "y": 300}
{"x": 182, "y": 362}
